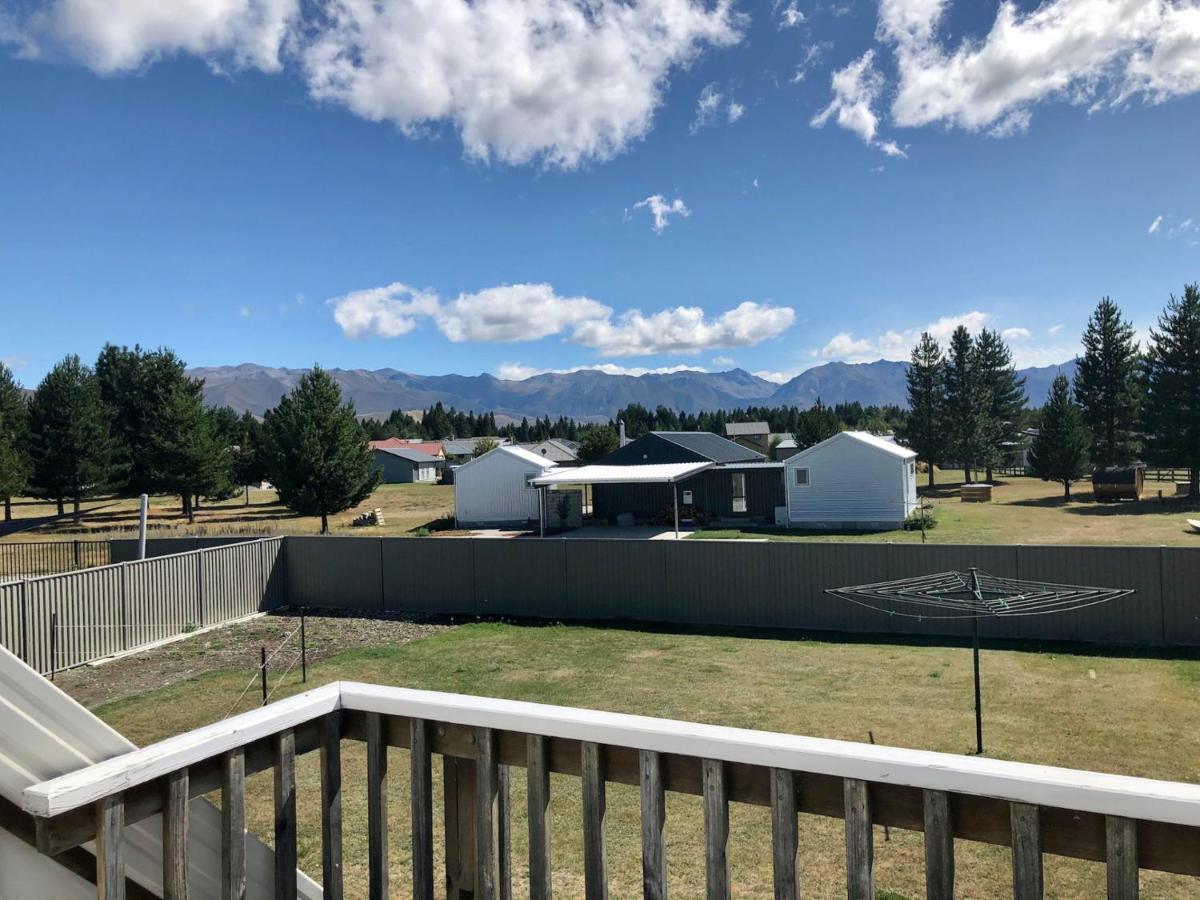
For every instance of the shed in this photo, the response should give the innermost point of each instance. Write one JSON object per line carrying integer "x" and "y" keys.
{"x": 557, "y": 450}
{"x": 493, "y": 489}
{"x": 752, "y": 435}
{"x": 404, "y": 466}
{"x": 852, "y": 481}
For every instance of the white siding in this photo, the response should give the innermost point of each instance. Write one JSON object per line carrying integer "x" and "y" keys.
{"x": 850, "y": 484}
{"x": 493, "y": 488}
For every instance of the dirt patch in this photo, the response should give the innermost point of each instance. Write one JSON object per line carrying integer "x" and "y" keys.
{"x": 239, "y": 647}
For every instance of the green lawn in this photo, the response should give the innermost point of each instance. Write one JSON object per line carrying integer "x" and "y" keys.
{"x": 1108, "y": 713}
{"x": 1024, "y": 511}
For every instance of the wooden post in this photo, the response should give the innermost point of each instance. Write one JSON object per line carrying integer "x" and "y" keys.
{"x": 285, "y": 815}
{"x": 175, "y": 836}
{"x": 538, "y": 771}
{"x": 939, "y": 846}
{"x": 262, "y": 672}
{"x": 233, "y": 825}
{"x": 331, "y": 806}
{"x": 421, "y": 792}
{"x": 675, "y": 499}
{"x": 303, "y": 650}
{"x": 654, "y": 826}
{"x": 504, "y": 832}
{"x": 487, "y": 816}
{"x": 716, "y": 829}
{"x": 458, "y": 785}
{"x": 1026, "y": 851}
{"x": 595, "y": 864}
{"x": 377, "y": 815}
{"x": 785, "y": 836}
{"x": 1121, "y": 848}
{"x": 110, "y": 860}
{"x": 860, "y": 850}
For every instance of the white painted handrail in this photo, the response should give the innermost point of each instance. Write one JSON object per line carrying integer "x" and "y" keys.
{"x": 1072, "y": 789}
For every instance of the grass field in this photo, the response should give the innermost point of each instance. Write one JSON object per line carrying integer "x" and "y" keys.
{"x": 1108, "y": 713}
{"x": 1026, "y": 511}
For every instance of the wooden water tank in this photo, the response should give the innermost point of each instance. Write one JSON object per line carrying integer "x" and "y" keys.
{"x": 975, "y": 493}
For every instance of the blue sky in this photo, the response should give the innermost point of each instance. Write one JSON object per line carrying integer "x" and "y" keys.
{"x": 650, "y": 185}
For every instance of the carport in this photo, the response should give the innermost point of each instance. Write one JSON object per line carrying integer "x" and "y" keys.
{"x": 655, "y": 473}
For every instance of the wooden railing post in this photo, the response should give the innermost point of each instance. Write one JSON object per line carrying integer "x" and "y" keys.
{"x": 595, "y": 863}
{"x": 785, "y": 836}
{"x": 110, "y": 861}
{"x": 860, "y": 850}
{"x": 939, "y": 846}
{"x": 1122, "y": 851}
{"x": 175, "y": 836}
{"x": 716, "y": 829}
{"x": 421, "y": 793}
{"x": 458, "y": 785}
{"x": 488, "y": 840}
{"x": 1026, "y": 851}
{"x": 538, "y": 771}
{"x": 377, "y": 814}
{"x": 654, "y": 826}
{"x": 285, "y": 815}
{"x": 233, "y": 825}
{"x": 331, "y": 806}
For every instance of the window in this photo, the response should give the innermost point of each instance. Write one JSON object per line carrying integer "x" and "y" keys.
{"x": 739, "y": 492}
{"x": 687, "y": 498}
{"x": 801, "y": 477}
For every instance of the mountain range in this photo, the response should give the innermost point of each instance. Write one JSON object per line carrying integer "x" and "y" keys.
{"x": 587, "y": 394}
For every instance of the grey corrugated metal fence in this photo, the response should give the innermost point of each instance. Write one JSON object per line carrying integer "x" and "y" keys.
{"x": 101, "y": 611}
{"x": 736, "y": 583}
{"x": 28, "y": 559}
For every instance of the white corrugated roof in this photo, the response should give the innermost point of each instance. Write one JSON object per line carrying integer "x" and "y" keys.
{"x": 657, "y": 473}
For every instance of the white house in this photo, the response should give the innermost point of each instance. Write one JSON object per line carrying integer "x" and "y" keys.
{"x": 853, "y": 480}
{"x": 493, "y": 489}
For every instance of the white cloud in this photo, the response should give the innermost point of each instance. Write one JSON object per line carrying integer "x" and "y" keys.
{"x": 562, "y": 82}
{"x": 734, "y": 111}
{"x": 661, "y": 210}
{"x": 775, "y": 377}
{"x": 18, "y": 361}
{"x": 1087, "y": 52}
{"x": 684, "y": 329}
{"x": 791, "y": 16}
{"x": 1054, "y": 329}
{"x": 726, "y": 361}
{"x": 244, "y": 312}
{"x": 110, "y": 36}
{"x": 385, "y": 312}
{"x": 812, "y": 56}
{"x": 709, "y": 106}
{"x": 897, "y": 344}
{"x": 1155, "y": 225}
{"x": 519, "y": 372}
{"x": 856, "y": 88}
{"x": 1018, "y": 333}
{"x": 517, "y": 312}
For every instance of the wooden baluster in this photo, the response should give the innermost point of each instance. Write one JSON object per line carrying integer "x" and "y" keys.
{"x": 487, "y": 816}
{"x": 285, "y": 815}
{"x": 716, "y": 829}
{"x": 331, "y": 806}
{"x": 538, "y": 769}
{"x": 785, "y": 836}
{"x": 174, "y": 836}
{"x": 504, "y": 832}
{"x": 939, "y": 847}
{"x": 110, "y": 859}
{"x": 458, "y": 784}
{"x": 233, "y": 824}
{"x": 860, "y": 850}
{"x": 1026, "y": 851}
{"x": 421, "y": 781}
{"x": 1121, "y": 849}
{"x": 595, "y": 864}
{"x": 377, "y": 815}
{"x": 654, "y": 826}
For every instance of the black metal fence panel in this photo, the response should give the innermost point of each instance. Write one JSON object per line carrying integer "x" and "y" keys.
{"x": 30, "y": 559}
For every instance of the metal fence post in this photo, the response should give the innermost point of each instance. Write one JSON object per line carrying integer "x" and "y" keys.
{"x": 25, "y": 621}
{"x": 200, "y": 589}
{"x": 124, "y": 611}
{"x": 76, "y": 543}
{"x": 262, "y": 572}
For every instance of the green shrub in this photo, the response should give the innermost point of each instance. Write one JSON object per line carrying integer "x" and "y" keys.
{"x": 920, "y": 518}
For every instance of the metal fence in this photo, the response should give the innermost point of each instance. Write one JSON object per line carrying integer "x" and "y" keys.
{"x": 58, "y": 621}
{"x": 27, "y": 559}
{"x": 738, "y": 583}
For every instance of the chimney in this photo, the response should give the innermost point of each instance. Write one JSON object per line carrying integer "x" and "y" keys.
{"x": 621, "y": 432}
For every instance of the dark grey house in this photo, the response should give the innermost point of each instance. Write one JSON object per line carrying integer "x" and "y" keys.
{"x": 400, "y": 466}
{"x": 741, "y": 487}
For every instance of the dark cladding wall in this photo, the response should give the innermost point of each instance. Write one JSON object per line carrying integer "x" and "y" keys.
{"x": 734, "y": 583}
{"x": 712, "y": 491}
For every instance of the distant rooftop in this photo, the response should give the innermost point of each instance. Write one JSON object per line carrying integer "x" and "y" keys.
{"x": 741, "y": 429}
{"x": 710, "y": 446}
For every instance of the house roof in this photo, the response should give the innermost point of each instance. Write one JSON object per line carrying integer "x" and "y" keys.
{"x": 787, "y": 444}
{"x": 655, "y": 473}
{"x": 433, "y": 448}
{"x": 738, "y": 429}
{"x": 414, "y": 456}
{"x": 710, "y": 446}
{"x": 519, "y": 453}
{"x": 466, "y": 446}
{"x": 863, "y": 437}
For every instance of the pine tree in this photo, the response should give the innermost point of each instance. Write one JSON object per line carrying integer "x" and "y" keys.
{"x": 1060, "y": 450}
{"x": 967, "y": 404}
{"x": 14, "y": 440}
{"x": 316, "y": 456}
{"x": 70, "y": 444}
{"x": 1005, "y": 396}
{"x": 925, "y": 430}
{"x": 1107, "y": 388}
{"x": 186, "y": 456}
{"x": 249, "y": 463}
{"x": 596, "y": 442}
{"x": 1171, "y": 410}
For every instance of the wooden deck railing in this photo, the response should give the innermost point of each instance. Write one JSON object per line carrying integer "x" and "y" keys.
{"x": 1124, "y": 822}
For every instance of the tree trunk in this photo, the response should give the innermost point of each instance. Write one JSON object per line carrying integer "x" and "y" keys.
{"x": 324, "y": 523}
{"x": 62, "y": 509}
{"x": 1066, "y": 491}
{"x": 1193, "y": 483}
{"x": 247, "y": 490}
{"x": 988, "y": 476}
{"x": 75, "y": 510}
{"x": 8, "y": 509}
{"x": 931, "y": 475}
{"x": 188, "y": 509}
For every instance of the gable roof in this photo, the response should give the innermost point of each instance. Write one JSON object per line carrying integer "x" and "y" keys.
{"x": 710, "y": 446}
{"x": 433, "y": 448}
{"x": 414, "y": 456}
{"x": 863, "y": 437}
{"x": 466, "y": 446}
{"x": 738, "y": 429}
{"x": 517, "y": 453}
